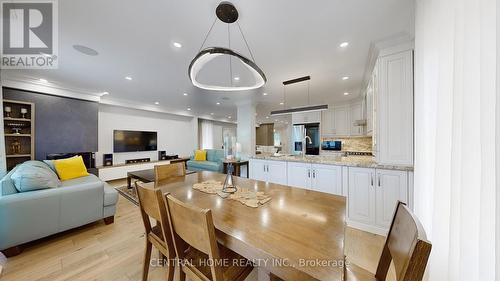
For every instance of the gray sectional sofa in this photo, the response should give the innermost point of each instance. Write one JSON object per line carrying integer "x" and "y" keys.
{"x": 30, "y": 215}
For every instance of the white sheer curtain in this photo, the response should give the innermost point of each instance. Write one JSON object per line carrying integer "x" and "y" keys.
{"x": 455, "y": 131}
{"x": 207, "y": 134}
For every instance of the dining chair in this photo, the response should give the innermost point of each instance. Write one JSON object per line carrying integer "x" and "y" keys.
{"x": 152, "y": 204}
{"x": 201, "y": 257}
{"x": 163, "y": 172}
{"x": 406, "y": 246}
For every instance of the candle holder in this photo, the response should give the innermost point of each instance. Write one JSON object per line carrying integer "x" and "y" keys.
{"x": 8, "y": 111}
{"x": 24, "y": 111}
{"x": 229, "y": 186}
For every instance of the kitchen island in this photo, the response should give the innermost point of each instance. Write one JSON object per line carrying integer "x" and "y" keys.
{"x": 372, "y": 189}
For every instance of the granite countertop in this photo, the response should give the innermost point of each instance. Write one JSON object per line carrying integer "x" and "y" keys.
{"x": 350, "y": 161}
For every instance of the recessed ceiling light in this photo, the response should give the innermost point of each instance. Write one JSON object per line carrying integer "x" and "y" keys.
{"x": 275, "y": 120}
{"x": 267, "y": 117}
{"x": 237, "y": 78}
{"x": 185, "y": 94}
{"x": 281, "y": 103}
{"x": 229, "y": 117}
{"x": 189, "y": 108}
{"x": 128, "y": 78}
{"x": 346, "y": 94}
{"x": 177, "y": 45}
{"x": 43, "y": 80}
{"x": 344, "y": 44}
{"x": 218, "y": 103}
{"x": 104, "y": 93}
{"x": 345, "y": 78}
{"x": 157, "y": 103}
{"x": 264, "y": 94}
{"x": 211, "y": 113}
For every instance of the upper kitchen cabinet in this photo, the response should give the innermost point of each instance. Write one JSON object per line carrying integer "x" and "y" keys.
{"x": 394, "y": 107}
{"x": 335, "y": 121}
{"x": 306, "y": 117}
{"x": 356, "y": 120}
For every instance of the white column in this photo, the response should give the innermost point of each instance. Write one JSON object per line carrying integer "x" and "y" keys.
{"x": 245, "y": 131}
{"x": 455, "y": 103}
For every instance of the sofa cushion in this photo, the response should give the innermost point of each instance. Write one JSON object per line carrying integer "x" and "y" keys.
{"x": 203, "y": 165}
{"x": 215, "y": 155}
{"x": 88, "y": 180}
{"x": 7, "y": 186}
{"x": 71, "y": 168}
{"x": 50, "y": 163}
{"x": 110, "y": 195}
{"x": 34, "y": 175}
{"x": 200, "y": 155}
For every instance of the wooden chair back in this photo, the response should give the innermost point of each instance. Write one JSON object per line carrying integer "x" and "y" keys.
{"x": 406, "y": 246}
{"x": 152, "y": 204}
{"x": 194, "y": 227}
{"x": 163, "y": 172}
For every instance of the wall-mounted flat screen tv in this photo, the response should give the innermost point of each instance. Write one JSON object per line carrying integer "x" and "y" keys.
{"x": 133, "y": 141}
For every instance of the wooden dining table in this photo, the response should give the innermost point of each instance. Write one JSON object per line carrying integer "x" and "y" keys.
{"x": 297, "y": 235}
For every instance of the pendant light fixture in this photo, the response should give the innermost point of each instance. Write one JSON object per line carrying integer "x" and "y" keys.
{"x": 227, "y": 13}
{"x": 302, "y": 109}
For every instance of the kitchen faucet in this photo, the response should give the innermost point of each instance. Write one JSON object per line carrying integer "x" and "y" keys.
{"x": 304, "y": 144}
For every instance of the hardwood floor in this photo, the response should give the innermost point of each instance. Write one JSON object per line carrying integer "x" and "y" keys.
{"x": 115, "y": 252}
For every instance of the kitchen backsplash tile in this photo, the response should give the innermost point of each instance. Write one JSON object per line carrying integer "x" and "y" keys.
{"x": 361, "y": 144}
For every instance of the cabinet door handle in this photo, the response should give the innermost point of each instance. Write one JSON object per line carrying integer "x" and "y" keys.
{"x": 308, "y": 173}
{"x": 268, "y": 168}
{"x": 264, "y": 168}
{"x": 379, "y": 181}
{"x": 371, "y": 177}
{"x": 314, "y": 173}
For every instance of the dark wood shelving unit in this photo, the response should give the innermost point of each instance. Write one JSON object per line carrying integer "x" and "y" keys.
{"x": 19, "y": 132}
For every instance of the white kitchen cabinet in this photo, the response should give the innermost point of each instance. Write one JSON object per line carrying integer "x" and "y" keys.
{"x": 327, "y": 126}
{"x": 317, "y": 177}
{"x": 258, "y": 170}
{"x": 306, "y": 117}
{"x": 361, "y": 195}
{"x": 369, "y": 106}
{"x": 355, "y": 113}
{"x": 299, "y": 174}
{"x": 268, "y": 170}
{"x": 327, "y": 178}
{"x": 341, "y": 121}
{"x": 394, "y": 108}
{"x": 277, "y": 172}
{"x": 373, "y": 195}
{"x": 391, "y": 187}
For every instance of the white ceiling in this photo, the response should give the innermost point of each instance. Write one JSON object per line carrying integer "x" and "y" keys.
{"x": 288, "y": 38}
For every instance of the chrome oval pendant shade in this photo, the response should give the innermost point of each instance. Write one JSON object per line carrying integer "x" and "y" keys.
{"x": 227, "y": 13}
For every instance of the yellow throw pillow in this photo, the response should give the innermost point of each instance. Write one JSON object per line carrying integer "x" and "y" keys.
{"x": 70, "y": 168}
{"x": 200, "y": 155}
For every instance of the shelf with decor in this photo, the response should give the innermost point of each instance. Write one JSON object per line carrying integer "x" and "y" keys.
{"x": 19, "y": 131}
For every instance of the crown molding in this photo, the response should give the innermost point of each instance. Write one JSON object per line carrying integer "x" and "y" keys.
{"x": 35, "y": 85}
{"x": 390, "y": 45}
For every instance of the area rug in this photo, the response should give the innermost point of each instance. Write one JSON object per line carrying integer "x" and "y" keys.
{"x": 128, "y": 193}
{"x": 243, "y": 195}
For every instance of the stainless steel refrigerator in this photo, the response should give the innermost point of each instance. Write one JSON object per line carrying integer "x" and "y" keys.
{"x": 312, "y": 143}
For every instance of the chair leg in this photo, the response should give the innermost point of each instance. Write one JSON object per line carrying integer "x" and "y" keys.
{"x": 182, "y": 274}
{"x": 170, "y": 272}
{"x": 147, "y": 260}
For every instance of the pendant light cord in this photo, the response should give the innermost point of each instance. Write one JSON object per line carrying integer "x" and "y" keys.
{"x": 206, "y": 36}
{"x": 246, "y": 43}
{"x": 230, "y": 64}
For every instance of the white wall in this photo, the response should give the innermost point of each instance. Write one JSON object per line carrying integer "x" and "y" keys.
{"x": 176, "y": 134}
